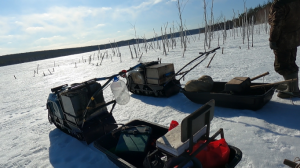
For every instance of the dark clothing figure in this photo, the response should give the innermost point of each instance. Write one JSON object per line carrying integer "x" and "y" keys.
{"x": 285, "y": 61}
{"x": 284, "y": 19}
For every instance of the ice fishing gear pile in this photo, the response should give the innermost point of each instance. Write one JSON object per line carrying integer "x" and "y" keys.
{"x": 158, "y": 79}
{"x": 81, "y": 111}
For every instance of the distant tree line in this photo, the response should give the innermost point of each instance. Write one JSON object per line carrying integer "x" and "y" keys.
{"x": 259, "y": 12}
{"x": 46, "y": 54}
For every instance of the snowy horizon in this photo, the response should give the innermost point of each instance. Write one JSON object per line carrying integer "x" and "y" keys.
{"x": 266, "y": 136}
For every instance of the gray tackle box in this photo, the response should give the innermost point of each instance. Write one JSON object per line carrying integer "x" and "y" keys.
{"x": 159, "y": 73}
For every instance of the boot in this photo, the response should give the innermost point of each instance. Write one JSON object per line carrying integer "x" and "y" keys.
{"x": 282, "y": 87}
{"x": 292, "y": 87}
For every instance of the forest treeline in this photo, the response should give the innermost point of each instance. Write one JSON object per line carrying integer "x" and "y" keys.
{"x": 259, "y": 14}
{"x": 46, "y": 54}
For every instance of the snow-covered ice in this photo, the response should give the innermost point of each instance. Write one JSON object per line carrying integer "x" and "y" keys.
{"x": 266, "y": 137}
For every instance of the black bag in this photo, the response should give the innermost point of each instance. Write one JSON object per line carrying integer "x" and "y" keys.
{"x": 133, "y": 142}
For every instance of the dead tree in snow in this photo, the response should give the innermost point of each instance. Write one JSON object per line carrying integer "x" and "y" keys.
{"x": 224, "y": 31}
{"x": 211, "y": 24}
{"x": 206, "y": 26}
{"x": 234, "y": 24}
{"x": 163, "y": 42}
{"x": 266, "y": 22}
{"x": 252, "y": 29}
{"x": 98, "y": 52}
{"x": 157, "y": 41}
{"x": 180, "y": 7}
{"x": 130, "y": 51}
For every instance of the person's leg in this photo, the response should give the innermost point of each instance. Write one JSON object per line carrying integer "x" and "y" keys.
{"x": 285, "y": 61}
{"x": 285, "y": 65}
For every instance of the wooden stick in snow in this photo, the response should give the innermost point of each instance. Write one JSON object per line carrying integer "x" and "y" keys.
{"x": 210, "y": 60}
{"x": 140, "y": 57}
{"x": 130, "y": 51}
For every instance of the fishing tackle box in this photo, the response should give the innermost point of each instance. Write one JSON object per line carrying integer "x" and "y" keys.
{"x": 159, "y": 73}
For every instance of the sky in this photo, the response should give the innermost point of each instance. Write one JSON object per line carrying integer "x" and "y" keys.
{"x": 33, "y": 25}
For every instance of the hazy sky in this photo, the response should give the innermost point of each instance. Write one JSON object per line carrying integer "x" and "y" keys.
{"x": 33, "y": 25}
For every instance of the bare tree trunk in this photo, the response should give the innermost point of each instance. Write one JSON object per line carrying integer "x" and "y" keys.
{"x": 248, "y": 34}
{"x": 98, "y": 51}
{"x": 157, "y": 41}
{"x": 166, "y": 37}
{"x": 140, "y": 57}
{"x": 225, "y": 33}
{"x": 218, "y": 39}
{"x": 173, "y": 39}
{"x": 163, "y": 42}
{"x": 266, "y": 20}
{"x": 243, "y": 32}
{"x": 206, "y": 26}
{"x": 252, "y": 29}
{"x": 112, "y": 48}
{"x": 233, "y": 22}
{"x": 179, "y": 6}
{"x": 211, "y": 24}
{"x": 135, "y": 51}
{"x": 199, "y": 33}
{"x": 185, "y": 40}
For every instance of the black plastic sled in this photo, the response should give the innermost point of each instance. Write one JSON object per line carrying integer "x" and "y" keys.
{"x": 66, "y": 110}
{"x": 159, "y": 79}
{"x": 80, "y": 109}
{"x": 253, "y": 100}
{"x": 150, "y": 156}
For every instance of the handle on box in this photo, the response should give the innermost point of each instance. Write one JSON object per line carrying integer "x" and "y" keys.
{"x": 289, "y": 163}
{"x": 259, "y": 76}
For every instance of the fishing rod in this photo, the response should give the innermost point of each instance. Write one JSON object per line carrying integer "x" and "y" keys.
{"x": 201, "y": 55}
